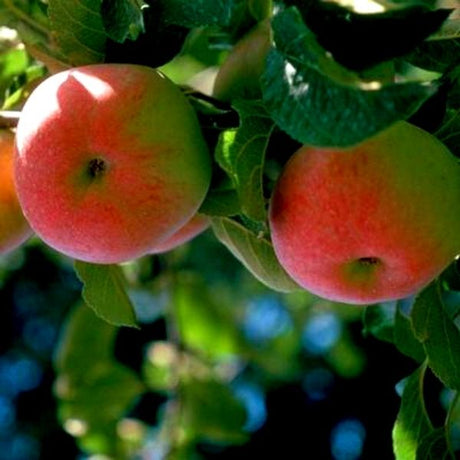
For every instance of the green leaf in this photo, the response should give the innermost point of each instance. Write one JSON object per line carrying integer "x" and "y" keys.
{"x": 78, "y": 30}
{"x": 436, "y": 55}
{"x": 241, "y": 153}
{"x": 123, "y": 19}
{"x": 221, "y": 202}
{"x": 200, "y": 12}
{"x": 254, "y": 252}
{"x": 412, "y": 423}
{"x": 212, "y": 411}
{"x": 379, "y": 321}
{"x": 105, "y": 292}
{"x": 439, "y": 335}
{"x": 318, "y": 102}
{"x": 434, "y": 446}
{"x": 92, "y": 389}
{"x": 404, "y": 337}
{"x": 203, "y": 321}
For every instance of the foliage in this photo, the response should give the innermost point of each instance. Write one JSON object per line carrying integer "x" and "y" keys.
{"x": 329, "y": 80}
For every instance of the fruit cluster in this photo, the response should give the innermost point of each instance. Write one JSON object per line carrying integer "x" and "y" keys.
{"x": 105, "y": 181}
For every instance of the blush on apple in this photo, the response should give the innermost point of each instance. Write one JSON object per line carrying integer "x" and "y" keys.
{"x": 110, "y": 161}
{"x": 374, "y": 222}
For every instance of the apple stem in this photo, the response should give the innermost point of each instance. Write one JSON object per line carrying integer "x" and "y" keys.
{"x": 9, "y": 118}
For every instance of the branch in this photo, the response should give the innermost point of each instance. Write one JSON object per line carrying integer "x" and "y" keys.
{"x": 9, "y": 118}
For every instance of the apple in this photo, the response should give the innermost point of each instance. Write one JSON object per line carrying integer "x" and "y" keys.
{"x": 370, "y": 223}
{"x": 14, "y": 229}
{"x": 239, "y": 75}
{"x": 110, "y": 161}
{"x": 196, "y": 225}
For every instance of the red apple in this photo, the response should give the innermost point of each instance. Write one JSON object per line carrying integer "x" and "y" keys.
{"x": 196, "y": 225}
{"x": 239, "y": 75}
{"x": 14, "y": 229}
{"x": 110, "y": 161}
{"x": 371, "y": 223}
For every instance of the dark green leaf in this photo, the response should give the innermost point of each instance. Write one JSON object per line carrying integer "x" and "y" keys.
{"x": 434, "y": 446}
{"x": 412, "y": 423}
{"x": 211, "y": 410}
{"x": 200, "y": 12}
{"x": 105, "y": 292}
{"x": 221, "y": 202}
{"x": 360, "y": 41}
{"x": 439, "y": 335}
{"x": 123, "y": 19}
{"x": 318, "y": 102}
{"x": 379, "y": 321}
{"x": 436, "y": 55}
{"x": 404, "y": 337}
{"x": 241, "y": 153}
{"x": 78, "y": 29}
{"x": 254, "y": 252}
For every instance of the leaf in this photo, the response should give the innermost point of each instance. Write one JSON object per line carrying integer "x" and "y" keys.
{"x": 212, "y": 411}
{"x": 404, "y": 337}
{"x": 434, "y": 446}
{"x": 104, "y": 291}
{"x": 359, "y": 41}
{"x": 412, "y": 422}
{"x": 318, "y": 102}
{"x": 436, "y": 55}
{"x": 255, "y": 253}
{"x": 200, "y": 12}
{"x": 221, "y": 202}
{"x": 92, "y": 389}
{"x": 203, "y": 322}
{"x": 379, "y": 321}
{"x": 241, "y": 153}
{"x": 439, "y": 335}
{"x": 123, "y": 19}
{"x": 78, "y": 29}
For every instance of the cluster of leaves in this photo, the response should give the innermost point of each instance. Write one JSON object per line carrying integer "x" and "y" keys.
{"x": 333, "y": 77}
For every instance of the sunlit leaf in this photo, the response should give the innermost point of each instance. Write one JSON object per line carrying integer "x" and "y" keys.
{"x": 104, "y": 291}
{"x": 241, "y": 153}
{"x": 254, "y": 252}
{"x": 203, "y": 322}
{"x": 412, "y": 423}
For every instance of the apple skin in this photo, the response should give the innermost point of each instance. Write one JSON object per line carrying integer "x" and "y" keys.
{"x": 239, "y": 75}
{"x": 110, "y": 161}
{"x": 371, "y": 223}
{"x": 14, "y": 229}
{"x": 196, "y": 225}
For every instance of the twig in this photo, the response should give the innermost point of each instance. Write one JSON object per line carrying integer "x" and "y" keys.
{"x": 9, "y": 118}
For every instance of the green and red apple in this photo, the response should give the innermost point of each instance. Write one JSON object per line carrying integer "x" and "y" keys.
{"x": 239, "y": 75}
{"x": 370, "y": 223}
{"x": 196, "y": 225}
{"x": 110, "y": 161}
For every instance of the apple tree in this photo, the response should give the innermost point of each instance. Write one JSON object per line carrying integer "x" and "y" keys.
{"x": 177, "y": 353}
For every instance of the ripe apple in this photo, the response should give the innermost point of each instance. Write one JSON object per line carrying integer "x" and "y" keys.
{"x": 371, "y": 223}
{"x": 110, "y": 161}
{"x": 196, "y": 225}
{"x": 14, "y": 229}
{"x": 239, "y": 75}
